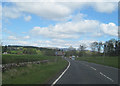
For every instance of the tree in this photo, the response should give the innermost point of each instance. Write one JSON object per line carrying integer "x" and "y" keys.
{"x": 117, "y": 48}
{"x": 4, "y": 48}
{"x": 111, "y": 47}
{"x": 100, "y": 45}
{"x": 29, "y": 51}
{"x": 82, "y": 49}
{"x": 94, "y": 46}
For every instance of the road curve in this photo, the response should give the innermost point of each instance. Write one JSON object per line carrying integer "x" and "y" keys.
{"x": 81, "y": 72}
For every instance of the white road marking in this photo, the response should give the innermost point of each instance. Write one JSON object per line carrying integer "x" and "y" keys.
{"x": 93, "y": 68}
{"x": 106, "y": 76}
{"x": 90, "y": 67}
{"x": 61, "y": 74}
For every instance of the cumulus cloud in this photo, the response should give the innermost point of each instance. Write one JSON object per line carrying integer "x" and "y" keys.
{"x": 110, "y": 29}
{"x": 27, "y": 18}
{"x": 61, "y": 11}
{"x": 74, "y": 30}
{"x": 50, "y": 32}
{"x": 67, "y": 30}
{"x": 44, "y": 10}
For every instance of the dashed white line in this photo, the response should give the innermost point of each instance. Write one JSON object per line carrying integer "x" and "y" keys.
{"x": 61, "y": 74}
{"x": 93, "y": 68}
{"x": 106, "y": 77}
{"x": 100, "y": 73}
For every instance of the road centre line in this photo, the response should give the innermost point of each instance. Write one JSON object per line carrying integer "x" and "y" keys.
{"x": 61, "y": 75}
{"x": 100, "y": 73}
{"x": 106, "y": 76}
{"x": 92, "y": 68}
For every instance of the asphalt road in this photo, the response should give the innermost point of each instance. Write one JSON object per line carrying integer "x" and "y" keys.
{"x": 81, "y": 72}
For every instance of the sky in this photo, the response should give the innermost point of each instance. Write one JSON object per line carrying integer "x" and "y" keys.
{"x": 58, "y": 24}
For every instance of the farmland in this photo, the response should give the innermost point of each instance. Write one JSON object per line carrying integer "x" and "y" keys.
{"x": 34, "y": 73}
{"x": 31, "y": 73}
{"x": 14, "y": 58}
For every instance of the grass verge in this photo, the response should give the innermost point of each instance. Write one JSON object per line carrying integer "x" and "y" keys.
{"x": 35, "y": 73}
{"x": 108, "y": 61}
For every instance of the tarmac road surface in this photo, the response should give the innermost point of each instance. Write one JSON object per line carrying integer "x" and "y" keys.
{"x": 82, "y": 72}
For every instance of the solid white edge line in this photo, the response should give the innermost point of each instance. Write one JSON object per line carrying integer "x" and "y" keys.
{"x": 61, "y": 74}
{"x": 106, "y": 76}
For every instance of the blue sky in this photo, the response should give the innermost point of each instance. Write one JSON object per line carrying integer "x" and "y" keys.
{"x": 58, "y": 24}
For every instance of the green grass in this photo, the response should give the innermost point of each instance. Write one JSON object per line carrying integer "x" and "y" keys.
{"x": 34, "y": 74}
{"x": 108, "y": 61}
{"x": 14, "y": 58}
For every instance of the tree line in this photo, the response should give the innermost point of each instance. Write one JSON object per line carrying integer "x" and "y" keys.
{"x": 107, "y": 48}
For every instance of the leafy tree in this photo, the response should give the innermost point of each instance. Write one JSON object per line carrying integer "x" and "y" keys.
{"x": 82, "y": 49}
{"x": 29, "y": 51}
{"x": 4, "y": 48}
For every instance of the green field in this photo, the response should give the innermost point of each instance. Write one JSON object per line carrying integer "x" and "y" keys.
{"x": 108, "y": 61}
{"x": 34, "y": 73}
{"x": 14, "y": 58}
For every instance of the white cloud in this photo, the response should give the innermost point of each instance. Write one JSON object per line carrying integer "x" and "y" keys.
{"x": 26, "y": 37}
{"x": 50, "y": 32}
{"x": 105, "y": 7}
{"x": 21, "y": 42}
{"x": 74, "y": 30}
{"x": 44, "y": 10}
{"x": 67, "y": 30}
{"x": 51, "y": 43}
{"x": 27, "y": 18}
{"x": 11, "y": 12}
{"x": 110, "y": 29}
{"x": 54, "y": 10}
{"x": 62, "y": 43}
{"x": 12, "y": 38}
